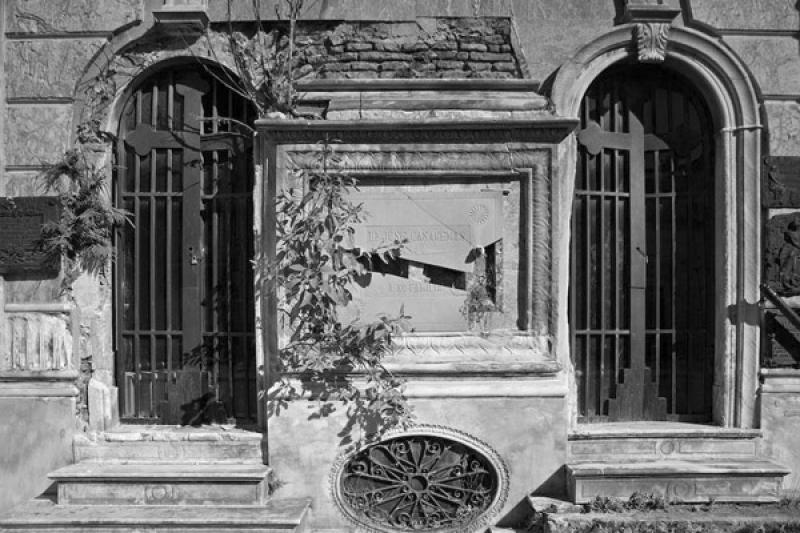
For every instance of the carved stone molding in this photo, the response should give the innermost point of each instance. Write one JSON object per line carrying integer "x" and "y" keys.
{"x": 651, "y": 41}
{"x": 453, "y": 160}
{"x": 465, "y": 347}
{"x": 551, "y": 130}
{"x": 182, "y": 18}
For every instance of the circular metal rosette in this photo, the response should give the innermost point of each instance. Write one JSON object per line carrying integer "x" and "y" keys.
{"x": 427, "y": 478}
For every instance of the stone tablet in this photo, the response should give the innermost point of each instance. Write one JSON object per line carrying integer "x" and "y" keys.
{"x": 441, "y": 229}
{"x": 21, "y": 221}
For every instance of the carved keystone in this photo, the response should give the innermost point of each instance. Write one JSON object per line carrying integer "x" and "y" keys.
{"x": 651, "y": 29}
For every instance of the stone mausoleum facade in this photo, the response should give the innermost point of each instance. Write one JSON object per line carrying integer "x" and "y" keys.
{"x": 600, "y": 201}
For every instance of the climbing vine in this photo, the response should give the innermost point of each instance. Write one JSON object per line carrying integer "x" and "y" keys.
{"x": 82, "y": 235}
{"x": 80, "y": 240}
{"x": 316, "y": 267}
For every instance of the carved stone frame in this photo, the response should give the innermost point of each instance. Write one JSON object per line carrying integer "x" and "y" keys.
{"x": 731, "y": 95}
{"x": 522, "y": 150}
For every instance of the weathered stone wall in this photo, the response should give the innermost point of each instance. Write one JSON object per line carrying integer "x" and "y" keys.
{"x": 49, "y": 46}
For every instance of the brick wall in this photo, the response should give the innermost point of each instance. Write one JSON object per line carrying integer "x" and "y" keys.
{"x": 450, "y": 48}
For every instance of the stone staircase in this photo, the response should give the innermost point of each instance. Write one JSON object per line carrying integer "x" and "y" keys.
{"x": 685, "y": 463}
{"x": 162, "y": 479}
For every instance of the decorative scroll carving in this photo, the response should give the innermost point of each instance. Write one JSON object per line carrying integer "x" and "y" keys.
{"x": 651, "y": 41}
{"x": 781, "y": 181}
{"x": 38, "y": 341}
{"x": 782, "y": 254}
{"x": 471, "y": 347}
{"x": 427, "y": 479}
{"x": 421, "y": 160}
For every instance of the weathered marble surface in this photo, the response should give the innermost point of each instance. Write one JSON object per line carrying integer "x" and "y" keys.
{"x": 277, "y": 516}
{"x": 47, "y": 68}
{"x": 774, "y": 61}
{"x": 37, "y": 341}
{"x": 528, "y": 433}
{"x": 22, "y": 183}
{"x": 783, "y": 124}
{"x": 47, "y": 16}
{"x": 23, "y": 289}
{"x": 780, "y": 421}
{"x": 747, "y": 14}
{"x": 37, "y": 134}
{"x": 37, "y": 438}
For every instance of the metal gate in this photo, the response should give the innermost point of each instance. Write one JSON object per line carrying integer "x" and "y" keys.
{"x": 642, "y": 251}
{"x": 184, "y": 283}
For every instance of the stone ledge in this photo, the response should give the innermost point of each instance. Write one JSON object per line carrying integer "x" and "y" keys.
{"x": 546, "y": 130}
{"x": 161, "y": 472}
{"x": 136, "y": 433}
{"x": 658, "y": 429}
{"x": 676, "y": 468}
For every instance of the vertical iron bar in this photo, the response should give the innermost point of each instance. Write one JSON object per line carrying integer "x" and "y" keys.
{"x": 229, "y": 204}
{"x": 168, "y": 251}
{"x": 136, "y": 270}
{"x": 153, "y": 226}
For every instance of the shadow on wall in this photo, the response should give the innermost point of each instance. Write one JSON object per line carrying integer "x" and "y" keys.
{"x": 553, "y": 487}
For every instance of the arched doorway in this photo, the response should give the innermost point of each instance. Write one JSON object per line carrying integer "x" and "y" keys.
{"x": 642, "y": 249}
{"x": 184, "y": 303}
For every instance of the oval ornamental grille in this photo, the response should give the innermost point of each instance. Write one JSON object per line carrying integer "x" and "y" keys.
{"x": 426, "y": 479}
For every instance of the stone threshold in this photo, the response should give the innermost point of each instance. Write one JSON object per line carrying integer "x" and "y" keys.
{"x": 277, "y": 514}
{"x": 622, "y": 430}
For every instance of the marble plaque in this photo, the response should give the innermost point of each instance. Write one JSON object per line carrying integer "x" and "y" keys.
{"x": 440, "y": 229}
{"x": 21, "y": 221}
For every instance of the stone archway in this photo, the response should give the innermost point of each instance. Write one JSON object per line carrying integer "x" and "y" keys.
{"x": 726, "y": 86}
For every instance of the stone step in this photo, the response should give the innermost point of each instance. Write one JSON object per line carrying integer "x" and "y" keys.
{"x": 638, "y": 441}
{"x": 751, "y": 481}
{"x": 167, "y": 444}
{"x": 161, "y": 484}
{"x": 43, "y": 516}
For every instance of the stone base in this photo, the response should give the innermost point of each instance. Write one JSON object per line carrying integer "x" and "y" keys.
{"x": 529, "y": 433}
{"x": 37, "y": 438}
{"x": 655, "y": 441}
{"x": 161, "y": 484}
{"x": 677, "y": 481}
{"x": 43, "y": 516}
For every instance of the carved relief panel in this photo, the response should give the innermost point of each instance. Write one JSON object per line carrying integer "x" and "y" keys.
{"x": 782, "y": 254}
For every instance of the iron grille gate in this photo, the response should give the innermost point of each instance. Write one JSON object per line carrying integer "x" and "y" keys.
{"x": 184, "y": 282}
{"x": 642, "y": 251}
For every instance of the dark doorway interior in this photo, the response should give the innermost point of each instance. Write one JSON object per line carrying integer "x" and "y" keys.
{"x": 642, "y": 251}
{"x": 184, "y": 303}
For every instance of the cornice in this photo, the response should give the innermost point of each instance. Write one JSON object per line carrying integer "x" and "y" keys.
{"x": 551, "y": 130}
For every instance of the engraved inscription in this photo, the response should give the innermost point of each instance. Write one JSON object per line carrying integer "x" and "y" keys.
{"x": 21, "y": 221}
{"x": 448, "y": 241}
